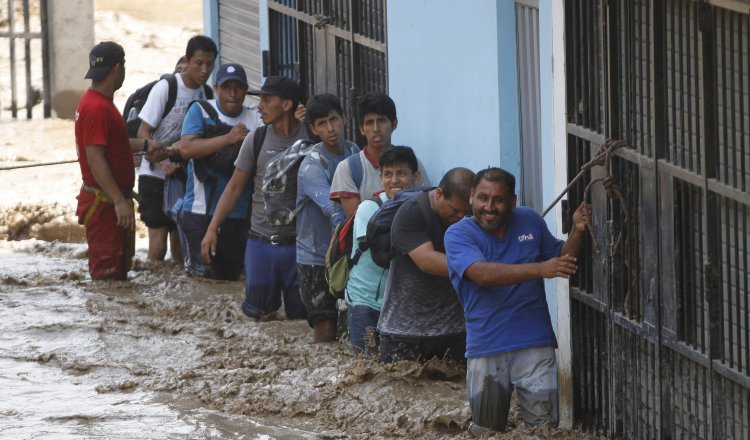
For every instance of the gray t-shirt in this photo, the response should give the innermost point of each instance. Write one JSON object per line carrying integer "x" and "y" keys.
{"x": 417, "y": 304}
{"x": 272, "y": 145}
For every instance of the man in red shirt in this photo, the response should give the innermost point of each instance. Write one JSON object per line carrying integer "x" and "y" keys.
{"x": 105, "y": 155}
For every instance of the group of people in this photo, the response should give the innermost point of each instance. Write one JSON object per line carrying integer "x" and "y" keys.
{"x": 466, "y": 279}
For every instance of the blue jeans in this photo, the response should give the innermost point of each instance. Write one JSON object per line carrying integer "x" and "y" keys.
{"x": 270, "y": 272}
{"x": 360, "y": 318}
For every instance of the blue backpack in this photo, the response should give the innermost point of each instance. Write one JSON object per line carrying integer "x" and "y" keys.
{"x": 379, "y": 226}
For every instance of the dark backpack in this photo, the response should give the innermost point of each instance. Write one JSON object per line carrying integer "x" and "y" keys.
{"x": 379, "y": 227}
{"x": 208, "y": 168}
{"x": 339, "y": 260}
{"x": 221, "y": 161}
{"x": 137, "y": 100}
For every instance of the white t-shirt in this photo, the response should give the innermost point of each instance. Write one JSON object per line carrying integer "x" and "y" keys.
{"x": 343, "y": 186}
{"x": 168, "y": 129}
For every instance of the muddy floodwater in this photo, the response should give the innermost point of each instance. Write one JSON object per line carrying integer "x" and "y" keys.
{"x": 165, "y": 355}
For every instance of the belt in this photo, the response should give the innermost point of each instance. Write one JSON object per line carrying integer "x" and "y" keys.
{"x": 276, "y": 240}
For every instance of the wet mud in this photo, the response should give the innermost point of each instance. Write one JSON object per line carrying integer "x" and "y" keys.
{"x": 164, "y": 345}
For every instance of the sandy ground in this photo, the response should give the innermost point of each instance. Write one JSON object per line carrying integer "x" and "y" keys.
{"x": 165, "y": 355}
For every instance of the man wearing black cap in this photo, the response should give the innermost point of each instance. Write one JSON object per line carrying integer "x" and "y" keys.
{"x": 270, "y": 258}
{"x": 201, "y": 197}
{"x": 105, "y": 155}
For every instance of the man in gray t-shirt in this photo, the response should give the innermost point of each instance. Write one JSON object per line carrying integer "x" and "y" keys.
{"x": 421, "y": 316}
{"x": 270, "y": 255}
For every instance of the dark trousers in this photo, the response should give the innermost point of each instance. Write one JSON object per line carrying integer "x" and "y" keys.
{"x": 228, "y": 262}
{"x": 313, "y": 289}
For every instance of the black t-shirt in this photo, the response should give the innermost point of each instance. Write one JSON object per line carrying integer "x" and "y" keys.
{"x": 417, "y": 304}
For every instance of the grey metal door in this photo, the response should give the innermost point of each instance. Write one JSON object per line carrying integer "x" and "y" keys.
{"x": 239, "y": 37}
{"x": 527, "y": 56}
{"x": 661, "y": 322}
{"x": 334, "y": 46}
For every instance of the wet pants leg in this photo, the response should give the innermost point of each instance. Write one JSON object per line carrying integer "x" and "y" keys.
{"x": 490, "y": 381}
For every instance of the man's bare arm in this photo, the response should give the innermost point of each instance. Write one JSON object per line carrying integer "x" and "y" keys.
{"x": 96, "y": 156}
{"x": 227, "y": 202}
{"x": 430, "y": 261}
{"x": 195, "y": 147}
{"x": 498, "y": 274}
{"x": 350, "y": 205}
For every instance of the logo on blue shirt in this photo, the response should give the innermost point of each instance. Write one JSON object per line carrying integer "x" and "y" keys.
{"x": 525, "y": 237}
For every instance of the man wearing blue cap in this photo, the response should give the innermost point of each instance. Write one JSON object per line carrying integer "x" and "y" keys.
{"x": 201, "y": 196}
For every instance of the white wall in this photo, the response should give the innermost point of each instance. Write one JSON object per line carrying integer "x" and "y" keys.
{"x": 71, "y": 36}
{"x": 452, "y": 74}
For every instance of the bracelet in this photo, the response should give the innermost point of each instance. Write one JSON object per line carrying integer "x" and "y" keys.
{"x": 145, "y": 145}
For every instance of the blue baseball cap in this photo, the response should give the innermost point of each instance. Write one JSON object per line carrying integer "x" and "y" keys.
{"x": 231, "y": 71}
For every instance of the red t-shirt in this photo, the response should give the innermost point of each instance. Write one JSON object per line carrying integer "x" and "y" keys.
{"x": 99, "y": 123}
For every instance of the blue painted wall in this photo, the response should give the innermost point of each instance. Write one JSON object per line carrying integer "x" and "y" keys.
{"x": 452, "y": 74}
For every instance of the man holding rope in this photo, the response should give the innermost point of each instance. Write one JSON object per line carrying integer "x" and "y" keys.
{"x": 105, "y": 154}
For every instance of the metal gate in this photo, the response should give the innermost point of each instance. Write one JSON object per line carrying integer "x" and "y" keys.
{"x": 31, "y": 31}
{"x": 661, "y": 323}
{"x": 334, "y": 46}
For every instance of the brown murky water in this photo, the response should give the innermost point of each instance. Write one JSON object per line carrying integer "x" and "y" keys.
{"x": 165, "y": 355}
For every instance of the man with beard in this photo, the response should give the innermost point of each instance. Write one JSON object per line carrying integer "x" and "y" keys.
{"x": 497, "y": 259}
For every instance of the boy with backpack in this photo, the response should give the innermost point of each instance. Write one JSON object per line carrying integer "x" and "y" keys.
{"x": 317, "y": 213}
{"x": 364, "y": 290}
{"x": 205, "y": 186}
{"x": 357, "y": 178}
{"x": 161, "y": 119}
{"x": 421, "y": 316}
{"x": 270, "y": 255}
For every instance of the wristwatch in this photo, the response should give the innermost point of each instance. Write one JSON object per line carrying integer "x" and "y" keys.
{"x": 145, "y": 145}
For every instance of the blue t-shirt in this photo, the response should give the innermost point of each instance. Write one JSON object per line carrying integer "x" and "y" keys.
{"x": 366, "y": 277}
{"x": 318, "y": 213}
{"x": 199, "y": 194}
{"x": 502, "y": 318}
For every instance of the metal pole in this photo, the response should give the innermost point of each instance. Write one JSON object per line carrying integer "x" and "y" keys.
{"x": 11, "y": 39}
{"x": 46, "y": 90}
{"x": 27, "y": 58}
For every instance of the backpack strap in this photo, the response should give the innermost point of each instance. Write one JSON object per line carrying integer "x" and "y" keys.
{"x": 211, "y": 110}
{"x": 363, "y": 246}
{"x": 355, "y": 168}
{"x": 171, "y": 96}
{"x": 209, "y": 92}
{"x": 259, "y": 136}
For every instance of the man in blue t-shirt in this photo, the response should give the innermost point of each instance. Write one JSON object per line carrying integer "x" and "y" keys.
{"x": 318, "y": 214}
{"x": 497, "y": 259}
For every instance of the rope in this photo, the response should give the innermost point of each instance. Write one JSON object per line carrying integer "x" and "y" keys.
{"x": 46, "y": 164}
{"x": 602, "y": 158}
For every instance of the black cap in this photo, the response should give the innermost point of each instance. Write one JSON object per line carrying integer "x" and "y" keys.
{"x": 281, "y": 86}
{"x": 102, "y": 58}
{"x": 231, "y": 71}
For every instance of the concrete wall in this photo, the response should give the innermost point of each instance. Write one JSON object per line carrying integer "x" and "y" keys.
{"x": 452, "y": 74}
{"x": 71, "y": 36}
